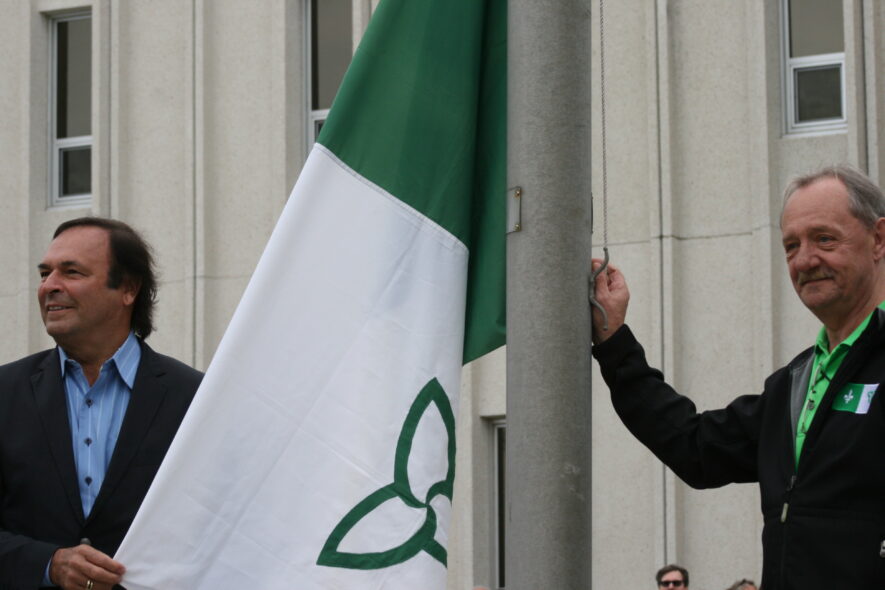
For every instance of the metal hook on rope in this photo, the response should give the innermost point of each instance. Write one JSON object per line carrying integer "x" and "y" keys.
{"x": 591, "y": 282}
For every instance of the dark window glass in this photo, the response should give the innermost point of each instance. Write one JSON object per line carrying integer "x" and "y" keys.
{"x": 501, "y": 450}
{"x": 74, "y": 78}
{"x": 815, "y": 27}
{"x": 75, "y": 171}
{"x": 331, "y": 49}
{"x": 818, "y": 93}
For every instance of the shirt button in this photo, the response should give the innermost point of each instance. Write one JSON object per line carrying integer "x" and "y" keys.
{"x": 88, "y": 480}
{"x": 89, "y": 403}
{"x": 88, "y": 441}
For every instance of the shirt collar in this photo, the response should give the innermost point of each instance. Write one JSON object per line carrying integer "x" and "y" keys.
{"x": 822, "y": 345}
{"x": 125, "y": 360}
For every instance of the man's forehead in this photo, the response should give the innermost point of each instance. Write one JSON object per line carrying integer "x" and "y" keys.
{"x": 89, "y": 231}
{"x": 818, "y": 202}
{"x": 828, "y": 189}
{"x": 78, "y": 245}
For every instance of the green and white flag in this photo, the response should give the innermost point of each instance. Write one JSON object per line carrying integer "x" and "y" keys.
{"x": 855, "y": 398}
{"x": 319, "y": 450}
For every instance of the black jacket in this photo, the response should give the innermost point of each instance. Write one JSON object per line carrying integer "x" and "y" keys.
{"x": 40, "y": 506}
{"x": 825, "y": 520}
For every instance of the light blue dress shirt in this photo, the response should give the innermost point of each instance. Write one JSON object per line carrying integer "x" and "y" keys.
{"x": 96, "y": 413}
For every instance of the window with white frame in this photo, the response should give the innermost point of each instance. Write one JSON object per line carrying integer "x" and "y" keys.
{"x": 71, "y": 110}
{"x": 331, "y": 49}
{"x": 500, "y": 450}
{"x": 815, "y": 65}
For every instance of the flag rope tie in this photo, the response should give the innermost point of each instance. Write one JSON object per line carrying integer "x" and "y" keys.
{"x": 591, "y": 295}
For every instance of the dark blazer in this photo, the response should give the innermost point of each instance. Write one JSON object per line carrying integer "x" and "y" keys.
{"x": 40, "y": 507}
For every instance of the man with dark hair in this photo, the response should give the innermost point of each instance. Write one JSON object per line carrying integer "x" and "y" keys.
{"x": 84, "y": 426}
{"x": 672, "y": 576}
{"x": 744, "y": 584}
{"x": 131, "y": 259}
{"x": 815, "y": 438}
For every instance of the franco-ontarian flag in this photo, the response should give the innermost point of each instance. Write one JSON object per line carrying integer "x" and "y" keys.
{"x": 319, "y": 451}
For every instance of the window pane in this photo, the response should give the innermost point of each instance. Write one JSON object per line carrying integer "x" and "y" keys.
{"x": 501, "y": 452}
{"x": 815, "y": 27}
{"x": 332, "y": 48}
{"x": 76, "y": 171}
{"x": 818, "y": 93}
{"x": 74, "y": 77}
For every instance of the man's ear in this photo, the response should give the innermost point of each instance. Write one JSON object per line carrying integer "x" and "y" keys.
{"x": 130, "y": 289}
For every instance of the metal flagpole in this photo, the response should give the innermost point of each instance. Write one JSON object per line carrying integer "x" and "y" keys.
{"x": 547, "y": 522}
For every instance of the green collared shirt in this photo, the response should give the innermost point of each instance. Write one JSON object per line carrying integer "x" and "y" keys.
{"x": 826, "y": 363}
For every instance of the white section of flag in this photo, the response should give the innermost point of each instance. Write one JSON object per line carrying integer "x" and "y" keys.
{"x": 357, "y": 302}
{"x": 866, "y": 398}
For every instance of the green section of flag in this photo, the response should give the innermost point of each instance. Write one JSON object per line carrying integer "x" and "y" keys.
{"x": 848, "y": 398}
{"x": 422, "y": 113}
{"x": 854, "y": 398}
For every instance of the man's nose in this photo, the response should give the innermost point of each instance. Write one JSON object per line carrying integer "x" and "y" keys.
{"x": 805, "y": 258}
{"x": 48, "y": 284}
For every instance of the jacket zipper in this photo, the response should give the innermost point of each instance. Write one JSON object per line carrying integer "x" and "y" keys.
{"x": 784, "y": 511}
{"x": 787, "y": 499}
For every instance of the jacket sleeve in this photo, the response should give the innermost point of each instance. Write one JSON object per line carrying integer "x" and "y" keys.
{"x": 23, "y": 560}
{"x": 707, "y": 449}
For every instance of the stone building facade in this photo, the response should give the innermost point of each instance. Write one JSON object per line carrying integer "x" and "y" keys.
{"x": 190, "y": 119}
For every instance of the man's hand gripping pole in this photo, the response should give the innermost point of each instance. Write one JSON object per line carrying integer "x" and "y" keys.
{"x": 591, "y": 284}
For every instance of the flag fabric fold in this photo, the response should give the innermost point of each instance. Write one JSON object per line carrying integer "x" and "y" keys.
{"x": 319, "y": 450}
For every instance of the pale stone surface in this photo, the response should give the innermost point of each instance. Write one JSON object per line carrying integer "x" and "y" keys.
{"x": 173, "y": 321}
{"x": 874, "y": 54}
{"x": 460, "y": 549}
{"x": 14, "y": 300}
{"x": 709, "y": 145}
{"x": 715, "y": 531}
{"x": 631, "y": 140}
{"x": 712, "y": 340}
{"x": 488, "y": 381}
{"x": 205, "y": 118}
{"x": 244, "y": 170}
{"x": 222, "y": 294}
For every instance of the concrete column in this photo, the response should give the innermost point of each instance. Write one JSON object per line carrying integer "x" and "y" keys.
{"x": 547, "y": 538}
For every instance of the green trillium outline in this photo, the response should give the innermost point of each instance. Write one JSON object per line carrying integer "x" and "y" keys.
{"x": 423, "y": 539}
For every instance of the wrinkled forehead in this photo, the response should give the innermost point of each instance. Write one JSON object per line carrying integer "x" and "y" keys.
{"x": 820, "y": 202}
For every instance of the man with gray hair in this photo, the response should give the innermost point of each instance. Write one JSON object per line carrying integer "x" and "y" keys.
{"x": 814, "y": 439}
